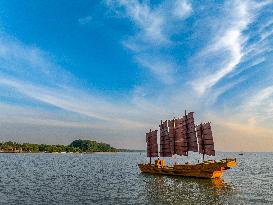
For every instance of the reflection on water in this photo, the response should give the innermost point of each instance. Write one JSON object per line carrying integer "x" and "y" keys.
{"x": 179, "y": 190}
{"x": 218, "y": 183}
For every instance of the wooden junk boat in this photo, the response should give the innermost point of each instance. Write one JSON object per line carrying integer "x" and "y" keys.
{"x": 178, "y": 137}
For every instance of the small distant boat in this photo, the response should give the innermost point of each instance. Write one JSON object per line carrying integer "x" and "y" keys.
{"x": 178, "y": 137}
{"x": 241, "y": 153}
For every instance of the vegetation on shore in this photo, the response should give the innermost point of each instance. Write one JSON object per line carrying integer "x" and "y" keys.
{"x": 77, "y": 146}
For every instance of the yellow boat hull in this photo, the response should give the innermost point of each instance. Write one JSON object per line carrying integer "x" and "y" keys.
{"x": 207, "y": 169}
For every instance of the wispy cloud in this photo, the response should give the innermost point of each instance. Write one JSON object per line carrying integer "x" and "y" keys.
{"x": 12, "y": 114}
{"x": 228, "y": 42}
{"x": 182, "y": 9}
{"x": 74, "y": 100}
{"x": 163, "y": 69}
{"x": 155, "y": 27}
{"x": 85, "y": 20}
{"x": 230, "y": 46}
{"x": 29, "y": 71}
{"x": 29, "y": 63}
{"x": 149, "y": 22}
{"x": 260, "y": 104}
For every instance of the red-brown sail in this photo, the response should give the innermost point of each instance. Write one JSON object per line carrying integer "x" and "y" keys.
{"x": 178, "y": 136}
{"x": 152, "y": 147}
{"x": 165, "y": 150}
{"x": 191, "y": 134}
{"x": 171, "y": 125}
{"x": 205, "y": 139}
{"x": 181, "y": 145}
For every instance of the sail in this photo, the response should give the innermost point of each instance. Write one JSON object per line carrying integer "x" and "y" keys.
{"x": 191, "y": 134}
{"x": 180, "y": 141}
{"x": 179, "y": 136}
{"x": 205, "y": 139}
{"x": 165, "y": 150}
{"x": 152, "y": 147}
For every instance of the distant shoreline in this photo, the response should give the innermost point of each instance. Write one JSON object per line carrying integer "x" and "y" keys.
{"x": 77, "y": 146}
{"x": 129, "y": 151}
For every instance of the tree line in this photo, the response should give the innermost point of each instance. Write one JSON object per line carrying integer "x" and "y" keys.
{"x": 80, "y": 146}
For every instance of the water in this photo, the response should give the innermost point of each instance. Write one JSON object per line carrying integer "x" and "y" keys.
{"x": 115, "y": 179}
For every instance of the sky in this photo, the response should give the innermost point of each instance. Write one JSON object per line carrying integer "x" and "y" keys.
{"x": 111, "y": 70}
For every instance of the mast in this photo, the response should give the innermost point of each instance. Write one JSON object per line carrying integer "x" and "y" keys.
{"x": 174, "y": 152}
{"x": 172, "y": 135}
{"x": 150, "y": 150}
{"x": 203, "y": 144}
{"x": 187, "y": 138}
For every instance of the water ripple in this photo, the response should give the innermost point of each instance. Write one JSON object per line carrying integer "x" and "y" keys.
{"x": 115, "y": 179}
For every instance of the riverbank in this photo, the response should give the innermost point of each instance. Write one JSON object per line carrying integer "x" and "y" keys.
{"x": 77, "y": 146}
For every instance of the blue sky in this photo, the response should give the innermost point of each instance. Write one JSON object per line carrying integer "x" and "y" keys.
{"x": 110, "y": 70}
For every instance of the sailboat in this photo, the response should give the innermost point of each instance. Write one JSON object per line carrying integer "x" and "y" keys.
{"x": 179, "y": 137}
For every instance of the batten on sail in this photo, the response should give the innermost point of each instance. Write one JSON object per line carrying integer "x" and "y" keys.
{"x": 152, "y": 147}
{"x": 205, "y": 139}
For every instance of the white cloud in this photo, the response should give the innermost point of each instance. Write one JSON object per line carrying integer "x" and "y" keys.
{"x": 155, "y": 27}
{"x": 260, "y": 104}
{"x": 266, "y": 34}
{"x": 261, "y": 96}
{"x": 253, "y": 63}
{"x": 230, "y": 40}
{"x": 75, "y": 101}
{"x": 163, "y": 69}
{"x": 29, "y": 62}
{"x": 29, "y": 71}
{"x": 182, "y": 9}
{"x": 11, "y": 114}
{"x": 85, "y": 20}
{"x": 154, "y": 23}
{"x": 265, "y": 26}
{"x": 150, "y": 22}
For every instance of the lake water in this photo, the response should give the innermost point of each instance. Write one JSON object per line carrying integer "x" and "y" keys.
{"x": 114, "y": 178}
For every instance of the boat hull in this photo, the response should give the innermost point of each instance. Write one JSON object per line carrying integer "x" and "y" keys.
{"x": 208, "y": 169}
